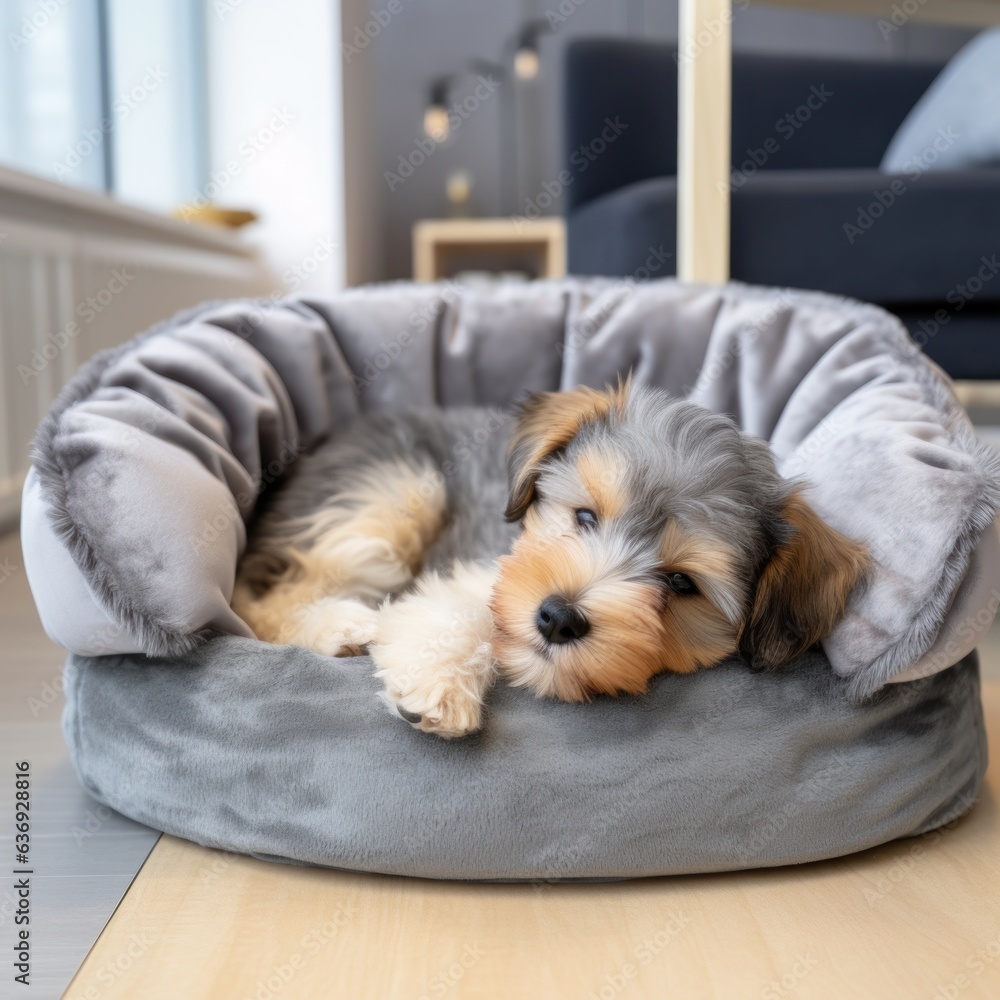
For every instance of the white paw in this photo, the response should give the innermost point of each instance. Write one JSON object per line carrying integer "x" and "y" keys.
{"x": 337, "y": 626}
{"x": 433, "y": 652}
{"x": 448, "y": 712}
{"x": 434, "y": 698}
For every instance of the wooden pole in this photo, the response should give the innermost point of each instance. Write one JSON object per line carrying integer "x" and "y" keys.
{"x": 703, "y": 141}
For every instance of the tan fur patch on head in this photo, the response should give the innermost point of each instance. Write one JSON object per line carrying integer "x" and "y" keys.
{"x": 548, "y": 422}
{"x": 708, "y": 562}
{"x": 687, "y": 552}
{"x": 603, "y": 476}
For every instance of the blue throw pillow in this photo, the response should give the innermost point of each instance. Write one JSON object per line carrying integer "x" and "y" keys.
{"x": 956, "y": 124}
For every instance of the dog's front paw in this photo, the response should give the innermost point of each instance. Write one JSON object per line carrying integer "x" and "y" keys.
{"x": 450, "y": 714}
{"x": 433, "y": 652}
{"x": 337, "y": 626}
{"x": 439, "y": 697}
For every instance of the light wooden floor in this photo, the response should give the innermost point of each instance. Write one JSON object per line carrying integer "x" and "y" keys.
{"x": 914, "y": 919}
{"x": 903, "y": 921}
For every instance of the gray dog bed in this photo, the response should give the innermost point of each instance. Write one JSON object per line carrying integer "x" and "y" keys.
{"x": 147, "y": 471}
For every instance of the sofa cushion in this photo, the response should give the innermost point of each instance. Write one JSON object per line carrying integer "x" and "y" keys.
{"x": 798, "y": 112}
{"x": 956, "y": 124}
{"x": 852, "y": 232}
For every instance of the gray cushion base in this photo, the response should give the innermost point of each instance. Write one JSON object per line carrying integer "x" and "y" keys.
{"x": 282, "y": 753}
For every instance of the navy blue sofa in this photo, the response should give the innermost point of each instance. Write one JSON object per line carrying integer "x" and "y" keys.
{"x": 810, "y": 208}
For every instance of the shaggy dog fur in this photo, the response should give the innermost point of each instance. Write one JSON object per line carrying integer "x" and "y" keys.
{"x": 633, "y": 533}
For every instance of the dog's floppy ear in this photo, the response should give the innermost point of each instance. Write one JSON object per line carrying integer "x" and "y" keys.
{"x": 803, "y": 590}
{"x": 548, "y": 421}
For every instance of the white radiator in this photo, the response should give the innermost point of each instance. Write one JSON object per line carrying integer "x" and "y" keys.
{"x": 79, "y": 273}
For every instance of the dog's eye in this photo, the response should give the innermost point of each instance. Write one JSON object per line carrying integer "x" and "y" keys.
{"x": 586, "y": 518}
{"x": 680, "y": 583}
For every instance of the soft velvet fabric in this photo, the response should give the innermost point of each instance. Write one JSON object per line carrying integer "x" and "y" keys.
{"x": 282, "y": 753}
{"x": 152, "y": 459}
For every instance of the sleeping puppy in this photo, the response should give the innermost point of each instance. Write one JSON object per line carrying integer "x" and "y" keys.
{"x": 633, "y": 533}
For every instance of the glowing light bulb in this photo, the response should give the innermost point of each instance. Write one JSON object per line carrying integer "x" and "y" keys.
{"x": 436, "y": 122}
{"x": 458, "y": 187}
{"x": 526, "y": 63}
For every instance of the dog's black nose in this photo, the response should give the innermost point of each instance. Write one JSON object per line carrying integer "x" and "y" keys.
{"x": 559, "y": 621}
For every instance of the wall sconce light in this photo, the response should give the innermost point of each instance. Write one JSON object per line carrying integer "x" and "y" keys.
{"x": 436, "y": 113}
{"x": 526, "y": 61}
{"x": 458, "y": 189}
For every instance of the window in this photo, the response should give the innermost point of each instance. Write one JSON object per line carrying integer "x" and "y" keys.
{"x": 106, "y": 94}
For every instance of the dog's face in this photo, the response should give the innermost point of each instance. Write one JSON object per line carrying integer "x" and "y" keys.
{"x": 656, "y": 537}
